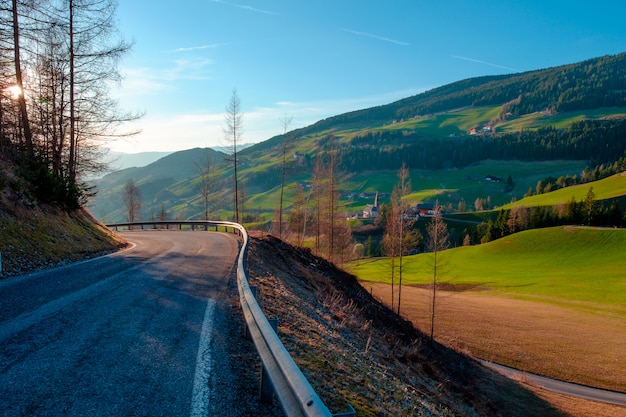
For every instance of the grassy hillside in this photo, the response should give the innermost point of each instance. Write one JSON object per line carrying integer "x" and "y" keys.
{"x": 42, "y": 237}
{"x": 561, "y": 263}
{"x": 611, "y": 187}
{"x": 35, "y": 235}
{"x": 170, "y": 183}
{"x": 590, "y": 84}
{"x": 448, "y": 185}
{"x": 559, "y": 120}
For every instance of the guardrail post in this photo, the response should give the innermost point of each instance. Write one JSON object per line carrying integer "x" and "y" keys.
{"x": 266, "y": 389}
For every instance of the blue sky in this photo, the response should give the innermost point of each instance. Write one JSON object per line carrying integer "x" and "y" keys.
{"x": 313, "y": 59}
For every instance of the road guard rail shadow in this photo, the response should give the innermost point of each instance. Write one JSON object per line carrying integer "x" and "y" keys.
{"x": 280, "y": 374}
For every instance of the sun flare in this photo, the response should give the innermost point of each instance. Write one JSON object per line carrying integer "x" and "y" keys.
{"x": 15, "y": 91}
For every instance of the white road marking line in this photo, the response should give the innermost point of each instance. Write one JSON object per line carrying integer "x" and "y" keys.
{"x": 201, "y": 391}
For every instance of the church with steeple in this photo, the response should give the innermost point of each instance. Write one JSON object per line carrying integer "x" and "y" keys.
{"x": 372, "y": 211}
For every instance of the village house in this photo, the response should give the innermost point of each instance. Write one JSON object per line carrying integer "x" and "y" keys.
{"x": 425, "y": 210}
{"x": 493, "y": 178}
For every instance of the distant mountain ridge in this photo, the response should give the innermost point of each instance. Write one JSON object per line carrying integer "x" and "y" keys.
{"x": 154, "y": 180}
{"x": 122, "y": 160}
{"x": 594, "y": 83}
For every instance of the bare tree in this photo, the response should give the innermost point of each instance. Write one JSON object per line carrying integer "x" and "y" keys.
{"x": 404, "y": 188}
{"x": 391, "y": 239}
{"x": 95, "y": 49}
{"x": 133, "y": 200}
{"x": 332, "y": 175}
{"x": 65, "y": 56}
{"x": 325, "y": 179}
{"x": 232, "y": 132}
{"x": 438, "y": 241}
{"x": 518, "y": 219}
{"x": 25, "y": 123}
{"x": 298, "y": 217}
{"x": 318, "y": 190}
{"x": 206, "y": 182}
{"x": 163, "y": 213}
{"x": 286, "y": 122}
{"x": 397, "y": 227}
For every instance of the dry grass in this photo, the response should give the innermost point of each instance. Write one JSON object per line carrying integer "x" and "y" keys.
{"x": 565, "y": 342}
{"x": 42, "y": 236}
{"x": 577, "y": 407}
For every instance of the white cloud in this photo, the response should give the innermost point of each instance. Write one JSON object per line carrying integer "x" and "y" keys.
{"x": 138, "y": 82}
{"x": 196, "y": 48}
{"x": 172, "y": 133}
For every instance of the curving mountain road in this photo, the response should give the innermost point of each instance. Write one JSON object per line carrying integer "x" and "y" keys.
{"x": 152, "y": 331}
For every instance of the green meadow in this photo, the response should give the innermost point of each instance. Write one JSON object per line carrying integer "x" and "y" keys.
{"x": 559, "y": 120}
{"x": 560, "y": 264}
{"x": 449, "y": 185}
{"x": 611, "y": 187}
{"x": 455, "y": 122}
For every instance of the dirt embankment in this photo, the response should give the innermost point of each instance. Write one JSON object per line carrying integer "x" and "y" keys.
{"x": 356, "y": 351}
{"x": 39, "y": 237}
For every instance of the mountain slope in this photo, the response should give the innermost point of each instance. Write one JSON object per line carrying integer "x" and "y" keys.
{"x": 537, "y": 115}
{"x": 575, "y": 112}
{"x": 594, "y": 83}
{"x": 161, "y": 182}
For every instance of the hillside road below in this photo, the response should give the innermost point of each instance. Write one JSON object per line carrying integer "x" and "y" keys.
{"x": 153, "y": 330}
{"x": 562, "y": 387}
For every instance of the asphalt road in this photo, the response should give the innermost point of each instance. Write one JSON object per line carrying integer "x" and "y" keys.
{"x": 574, "y": 390}
{"x": 149, "y": 331}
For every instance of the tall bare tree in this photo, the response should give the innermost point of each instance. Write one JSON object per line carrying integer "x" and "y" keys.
{"x": 65, "y": 56}
{"x": 206, "y": 182}
{"x": 21, "y": 96}
{"x": 133, "y": 200}
{"x": 325, "y": 190}
{"x": 232, "y": 132}
{"x": 404, "y": 188}
{"x": 332, "y": 175}
{"x": 285, "y": 122}
{"x": 438, "y": 241}
{"x": 94, "y": 50}
{"x": 397, "y": 229}
{"x": 318, "y": 190}
{"x": 391, "y": 239}
{"x": 298, "y": 217}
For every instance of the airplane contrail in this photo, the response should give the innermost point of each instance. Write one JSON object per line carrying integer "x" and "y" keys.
{"x": 380, "y": 38}
{"x": 484, "y": 62}
{"x": 245, "y": 7}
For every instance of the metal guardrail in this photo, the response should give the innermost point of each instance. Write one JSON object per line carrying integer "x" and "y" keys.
{"x": 295, "y": 394}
